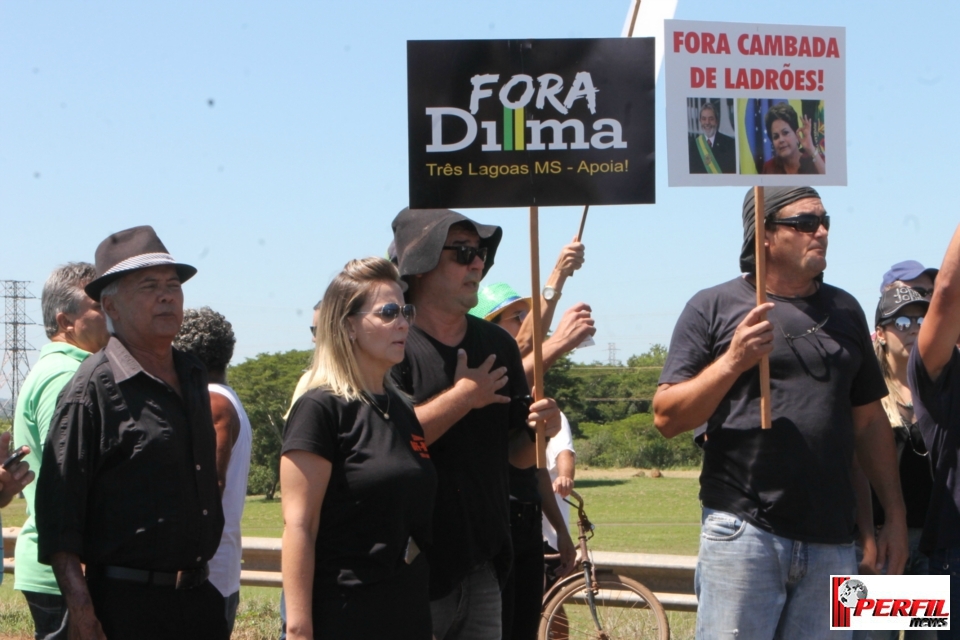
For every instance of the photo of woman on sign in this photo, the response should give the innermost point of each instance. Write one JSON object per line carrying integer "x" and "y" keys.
{"x": 782, "y": 142}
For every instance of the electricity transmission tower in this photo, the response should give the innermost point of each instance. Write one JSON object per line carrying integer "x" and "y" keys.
{"x": 612, "y": 354}
{"x": 15, "y": 366}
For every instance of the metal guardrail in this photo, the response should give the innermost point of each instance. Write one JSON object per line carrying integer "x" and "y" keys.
{"x": 670, "y": 577}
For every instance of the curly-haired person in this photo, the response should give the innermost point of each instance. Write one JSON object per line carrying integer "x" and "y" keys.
{"x": 209, "y": 336}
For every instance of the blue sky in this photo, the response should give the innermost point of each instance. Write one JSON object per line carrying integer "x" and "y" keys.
{"x": 266, "y": 143}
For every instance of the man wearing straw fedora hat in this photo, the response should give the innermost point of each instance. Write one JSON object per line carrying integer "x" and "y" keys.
{"x": 131, "y": 487}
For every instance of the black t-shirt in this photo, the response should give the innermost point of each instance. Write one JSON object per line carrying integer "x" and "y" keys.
{"x": 524, "y": 485}
{"x": 793, "y": 480}
{"x": 916, "y": 477}
{"x": 471, "y": 523}
{"x": 381, "y": 487}
{"x": 936, "y": 404}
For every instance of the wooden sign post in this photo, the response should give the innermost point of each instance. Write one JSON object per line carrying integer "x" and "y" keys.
{"x": 766, "y": 415}
{"x": 538, "y": 391}
{"x": 583, "y": 222}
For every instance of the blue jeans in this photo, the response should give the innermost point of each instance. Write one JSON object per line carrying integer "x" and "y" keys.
{"x": 230, "y": 605}
{"x": 946, "y": 562}
{"x": 472, "y": 610}
{"x": 754, "y": 584}
{"x": 49, "y": 614}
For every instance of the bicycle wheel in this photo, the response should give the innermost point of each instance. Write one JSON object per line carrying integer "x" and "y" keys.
{"x": 625, "y": 610}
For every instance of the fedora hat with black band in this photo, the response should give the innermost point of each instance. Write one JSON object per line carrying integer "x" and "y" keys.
{"x": 419, "y": 235}
{"x": 130, "y": 250}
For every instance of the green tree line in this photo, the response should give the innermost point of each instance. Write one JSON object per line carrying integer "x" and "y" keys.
{"x": 609, "y": 408}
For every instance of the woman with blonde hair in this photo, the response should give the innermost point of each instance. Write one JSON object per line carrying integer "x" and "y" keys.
{"x": 356, "y": 477}
{"x": 899, "y": 315}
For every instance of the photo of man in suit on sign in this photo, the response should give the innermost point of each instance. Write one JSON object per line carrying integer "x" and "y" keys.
{"x": 710, "y": 150}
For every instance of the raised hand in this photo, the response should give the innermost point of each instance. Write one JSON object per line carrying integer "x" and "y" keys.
{"x": 571, "y": 258}
{"x": 574, "y": 327}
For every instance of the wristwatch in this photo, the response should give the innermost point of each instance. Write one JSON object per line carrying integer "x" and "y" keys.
{"x": 549, "y": 293}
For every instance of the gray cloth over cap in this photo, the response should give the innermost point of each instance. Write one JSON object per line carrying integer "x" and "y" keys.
{"x": 419, "y": 235}
{"x": 774, "y": 199}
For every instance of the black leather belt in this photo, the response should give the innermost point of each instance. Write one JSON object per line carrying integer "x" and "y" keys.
{"x": 178, "y": 580}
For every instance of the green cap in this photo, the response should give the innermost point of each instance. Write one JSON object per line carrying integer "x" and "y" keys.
{"x": 494, "y": 298}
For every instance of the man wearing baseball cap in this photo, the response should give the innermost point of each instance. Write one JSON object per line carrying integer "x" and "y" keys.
{"x": 466, "y": 378}
{"x": 129, "y": 481}
{"x": 779, "y": 504}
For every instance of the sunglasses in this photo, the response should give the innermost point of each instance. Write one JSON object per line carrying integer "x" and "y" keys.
{"x": 903, "y": 323}
{"x": 313, "y": 331}
{"x": 466, "y": 253}
{"x": 805, "y": 222}
{"x": 391, "y": 311}
{"x": 519, "y": 315}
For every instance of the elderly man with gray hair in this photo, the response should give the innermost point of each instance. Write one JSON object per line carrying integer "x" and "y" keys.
{"x": 75, "y": 326}
{"x": 129, "y": 473}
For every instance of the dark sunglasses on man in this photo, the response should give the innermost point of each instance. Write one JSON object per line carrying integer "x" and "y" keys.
{"x": 391, "y": 311}
{"x": 466, "y": 253}
{"x": 903, "y": 323}
{"x": 805, "y": 222}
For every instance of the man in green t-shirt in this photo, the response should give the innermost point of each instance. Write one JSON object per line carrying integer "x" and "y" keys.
{"x": 76, "y": 328}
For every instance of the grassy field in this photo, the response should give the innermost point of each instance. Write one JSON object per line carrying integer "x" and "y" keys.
{"x": 639, "y": 514}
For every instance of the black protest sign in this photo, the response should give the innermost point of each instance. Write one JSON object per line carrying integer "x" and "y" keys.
{"x": 515, "y": 123}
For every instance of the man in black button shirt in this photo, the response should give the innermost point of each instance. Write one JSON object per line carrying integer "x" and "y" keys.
{"x": 467, "y": 381}
{"x": 131, "y": 487}
{"x": 778, "y": 504}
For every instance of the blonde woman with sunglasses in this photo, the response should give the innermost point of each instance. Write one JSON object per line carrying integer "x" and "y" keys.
{"x": 356, "y": 476}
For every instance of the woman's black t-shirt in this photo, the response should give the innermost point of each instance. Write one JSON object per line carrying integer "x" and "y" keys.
{"x": 916, "y": 477}
{"x": 381, "y": 488}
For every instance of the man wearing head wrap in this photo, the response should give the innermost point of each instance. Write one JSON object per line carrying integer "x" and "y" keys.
{"x": 933, "y": 373}
{"x": 466, "y": 378}
{"x": 779, "y": 504}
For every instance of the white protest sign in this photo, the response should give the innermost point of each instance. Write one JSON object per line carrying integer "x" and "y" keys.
{"x": 755, "y": 104}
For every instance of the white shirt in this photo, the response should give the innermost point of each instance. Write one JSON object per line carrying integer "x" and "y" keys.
{"x": 563, "y": 441}
{"x": 225, "y": 564}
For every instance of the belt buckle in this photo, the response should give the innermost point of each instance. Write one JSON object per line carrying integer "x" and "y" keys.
{"x": 191, "y": 579}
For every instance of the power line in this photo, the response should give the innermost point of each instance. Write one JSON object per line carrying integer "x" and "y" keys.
{"x": 15, "y": 366}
